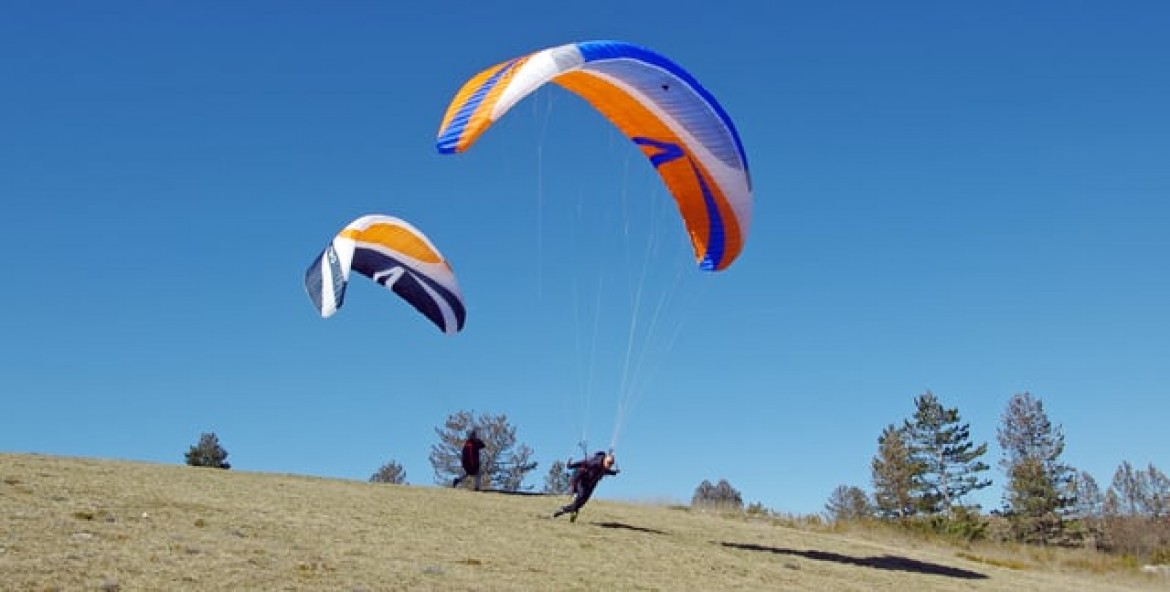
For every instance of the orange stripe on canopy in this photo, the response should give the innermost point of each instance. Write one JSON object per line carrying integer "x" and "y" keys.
{"x": 395, "y": 238}
{"x": 635, "y": 120}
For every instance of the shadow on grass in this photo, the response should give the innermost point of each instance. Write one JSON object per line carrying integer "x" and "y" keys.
{"x": 505, "y": 492}
{"x": 890, "y": 562}
{"x": 624, "y": 526}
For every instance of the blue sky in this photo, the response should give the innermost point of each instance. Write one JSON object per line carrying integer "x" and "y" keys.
{"x": 971, "y": 200}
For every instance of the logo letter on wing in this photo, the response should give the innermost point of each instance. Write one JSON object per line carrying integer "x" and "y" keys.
{"x": 388, "y": 277}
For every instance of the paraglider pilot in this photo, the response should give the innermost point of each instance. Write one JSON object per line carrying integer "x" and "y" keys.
{"x": 586, "y": 474}
{"x": 469, "y": 457}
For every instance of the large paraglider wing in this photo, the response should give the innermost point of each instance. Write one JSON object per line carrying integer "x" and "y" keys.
{"x": 678, "y": 125}
{"x": 395, "y": 255}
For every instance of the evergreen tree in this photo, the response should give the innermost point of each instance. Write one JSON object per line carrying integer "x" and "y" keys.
{"x": 1130, "y": 487}
{"x": 391, "y": 472}
{"x": 1111, "y": 507}
{"x": 1037, "y": 494}
{"x": 556, "y": 482}
{"x": 720, "y": 496}
{"x": 894, "y": 474}
{"x": 1089, "y": 502}
{"x": 1088, "y": 508}
{"x": 510, "y": 470}
{"x": 950, "y": 462}
{"x": 208, "y": 453}
{"x": 1158, "y": 493}
{"x": 1141, "y": 493}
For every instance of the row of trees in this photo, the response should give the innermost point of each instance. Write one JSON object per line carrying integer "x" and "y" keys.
{"x": 926, "y": 466}
{"x": 505, "y": 462}
{"x": 719, "y": 496}
{"x": 924, "y": 470}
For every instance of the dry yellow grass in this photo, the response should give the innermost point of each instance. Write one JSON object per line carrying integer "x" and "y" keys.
{"x": 84, "y": 524}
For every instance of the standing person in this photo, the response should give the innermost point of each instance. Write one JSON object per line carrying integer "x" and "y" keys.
{"x": 586, "y": 474}
{"x": 469, "y": 458}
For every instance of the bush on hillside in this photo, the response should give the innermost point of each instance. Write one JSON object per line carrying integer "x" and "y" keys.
{"x": 208, "y": 453}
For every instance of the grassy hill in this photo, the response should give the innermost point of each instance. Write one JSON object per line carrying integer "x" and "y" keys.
{"x": 86, "y": 524}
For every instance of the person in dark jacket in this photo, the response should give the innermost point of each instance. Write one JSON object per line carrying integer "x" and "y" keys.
{"x": 586, "y": 474}
{"x": 469, "y": 458}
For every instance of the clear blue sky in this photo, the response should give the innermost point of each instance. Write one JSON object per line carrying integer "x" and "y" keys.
{"x": 971, "y": 200}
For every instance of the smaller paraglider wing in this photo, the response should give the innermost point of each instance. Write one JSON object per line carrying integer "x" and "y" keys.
{"x": 325, "y": 281}
{"x": 395, "y": 255}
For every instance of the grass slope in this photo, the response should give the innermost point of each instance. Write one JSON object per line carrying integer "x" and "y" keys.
{"x": 86, "y": 524}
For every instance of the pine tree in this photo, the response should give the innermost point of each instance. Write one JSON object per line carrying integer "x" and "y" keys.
{"x": 894, "y": 474}
{"x": 391, "y": 472}
{"x": 1087, "y": 493}
{"x": 1088, "y": 508}
{"x": 208, "y": 453}
{"x": 1130, "y": 488}
{"x": 942, "y": 447}
{"x": 721, "y": 496}
{"x": 556, "y": 482}
{"x": 511, "y": 469}
{"x": 1037, "y": 494}
{"x": 1158, "y": 498}
{"x": 1141, "y": 493}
